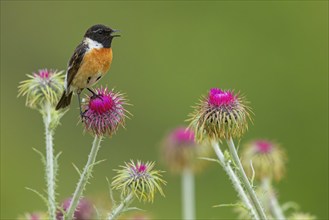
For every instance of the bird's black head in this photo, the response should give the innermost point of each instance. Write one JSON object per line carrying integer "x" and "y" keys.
{"x": 102, "y": 34}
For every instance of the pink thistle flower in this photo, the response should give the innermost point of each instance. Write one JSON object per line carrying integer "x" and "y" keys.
{"x": 220, "y": 115}
{"x": 268, "y": 159}
{"x": 84, "y": 210}
{"x": 219, "y": 98}
{"x": 105, "y": 113}
{"x": 180, "y": 151}
{"x": 43, "y": 86}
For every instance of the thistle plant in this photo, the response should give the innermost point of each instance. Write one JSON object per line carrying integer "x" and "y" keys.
{"x": 103, "y": 115}
{"x": 223, "y": 115}
{"x": 136, "y": 180}
{"x": 42, "y": 91}
{"x": 182, "y": 155}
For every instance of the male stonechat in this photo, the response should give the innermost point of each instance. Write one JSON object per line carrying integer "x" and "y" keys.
{"x": 90, "y": 61}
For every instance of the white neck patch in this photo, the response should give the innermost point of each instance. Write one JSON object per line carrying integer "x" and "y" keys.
{"x": 93, "y": 44}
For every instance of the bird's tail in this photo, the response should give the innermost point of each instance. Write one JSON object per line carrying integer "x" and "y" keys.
{"x": 64, "y": 101}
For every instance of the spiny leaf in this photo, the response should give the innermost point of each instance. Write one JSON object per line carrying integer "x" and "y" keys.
{"x": 111, "y": 192}
{"x": 77, "y": 169}
{"x": 39, "y": 194}
{"x": 43, "y": 159}
{"x": 134, "y": 209}
{"x": 230, "y": 205}
{"x": 209, "y": 159}
{"x": 98, "y": 162}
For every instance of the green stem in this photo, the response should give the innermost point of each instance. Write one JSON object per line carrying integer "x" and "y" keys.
{"x": 50, "y": 174}
{"x": 84, "y": 177}
{"x": 235, "y": 180}
{"x": 115, "y": 213}
{"x": 188, "y": 192}
{"x": 272, "y": 200}
{"x": 245, "y": 179}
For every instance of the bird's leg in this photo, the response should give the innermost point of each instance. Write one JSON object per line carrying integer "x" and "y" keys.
{"x": 94, "y": 94}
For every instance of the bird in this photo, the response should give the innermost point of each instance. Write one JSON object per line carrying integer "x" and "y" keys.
{"x": 91, "y": 60}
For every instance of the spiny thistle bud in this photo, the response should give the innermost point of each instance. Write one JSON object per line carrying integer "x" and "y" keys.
{"x": 139, "y": 179}
{"x": 34, "y": 216}
{"x": 44, "y": 86}
{"x": 301, "y": 216}
{"x": 104, "y": 113}
{"x": 84, "y": 210}
{"x": 268, "y": 159}
{"x": 220, "y": 115}
{"x": 180, "y": 151}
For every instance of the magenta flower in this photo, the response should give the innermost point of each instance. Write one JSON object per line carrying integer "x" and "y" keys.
{"x": 268, "y": 159}
{"x": 180, "y": 151}
{"x": 220, "y": 115}
{"x": 105, "y": 113}
{"x": 183, "y": 136}
{"x": 263, "y": 146}
{"x": 219, "y": 98}
{"x": 84, "y": 210}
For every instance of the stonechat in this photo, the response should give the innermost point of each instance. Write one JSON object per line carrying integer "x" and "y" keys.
{"x": 90, "y": 61}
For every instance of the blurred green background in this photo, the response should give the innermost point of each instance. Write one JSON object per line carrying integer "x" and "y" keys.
{"x": 170, "y": 54}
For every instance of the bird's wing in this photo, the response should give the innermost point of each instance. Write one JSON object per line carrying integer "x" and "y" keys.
{"x": 75, "y": 62}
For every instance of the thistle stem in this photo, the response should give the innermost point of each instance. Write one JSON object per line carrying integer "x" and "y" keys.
{"x": 235, "y": 180}
{"x": 121, "y": 208}
{"x": 84, "y": 177}
{"x": 188, "y": 194}
{"x": 245, "y": 179}
{"x": 50, "y": 174}
{"x": 273, "y": 201}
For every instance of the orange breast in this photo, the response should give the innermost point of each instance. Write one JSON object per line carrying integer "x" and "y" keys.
{"x": 94, "y": 64}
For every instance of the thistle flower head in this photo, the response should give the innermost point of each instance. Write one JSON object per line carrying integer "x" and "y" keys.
{"x": 268, "y": 159}
{"x": 34, "y": 216}
{"x": 301, "y": 216}
{"x": 180, "y": 150}
{"x": 43, "y": 86}
{"x": 84, "y": 210}
{"x": 220, "y": 115}
{"x": 105, "y": 113}
{"x": 140, "y": 179}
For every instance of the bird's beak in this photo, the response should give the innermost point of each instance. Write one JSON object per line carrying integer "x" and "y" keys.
{"x": 115, "y": 35}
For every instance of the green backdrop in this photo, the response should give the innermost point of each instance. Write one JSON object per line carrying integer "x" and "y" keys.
{"x": 170, "y": 54}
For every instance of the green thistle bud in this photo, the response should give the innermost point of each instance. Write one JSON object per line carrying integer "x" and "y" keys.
{"x": 44, "y": 86}
{"x": 139, "y": 179}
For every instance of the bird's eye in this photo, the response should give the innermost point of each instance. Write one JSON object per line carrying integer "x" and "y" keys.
{"x": 100, "y": 32}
